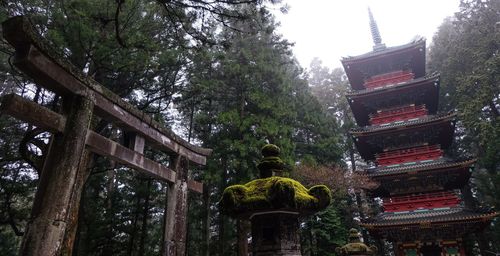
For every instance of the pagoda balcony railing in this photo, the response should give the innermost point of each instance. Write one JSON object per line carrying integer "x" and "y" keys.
{"x": 388, "y": 78}
{"x": 422, "y": 201}
{"x": 398, "y": 114}
{"x": 419, "y": 153}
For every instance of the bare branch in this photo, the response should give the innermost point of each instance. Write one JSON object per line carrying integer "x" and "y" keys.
{"x": 117, "y": 24}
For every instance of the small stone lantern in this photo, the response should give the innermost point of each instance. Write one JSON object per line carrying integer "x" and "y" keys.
{"x": 274, "y": 204}
{"x": 355, "y": 246}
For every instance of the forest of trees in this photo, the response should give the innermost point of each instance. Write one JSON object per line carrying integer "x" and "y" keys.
{"x": 219, "y": 75}
{"x": 466, "y": 51}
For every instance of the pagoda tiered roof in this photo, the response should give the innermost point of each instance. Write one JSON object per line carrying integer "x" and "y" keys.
{"x": 401, "y": 133}
{"x": 436, "y": 175}
{"x": 434, "y": 78}
{"x": 420, "y": 91}
{"x": 397, "y": 125}
{"x": 417, "y": 167}
{"x": 432, "y": 129}
{"x": 362, "y": 67}
{"x": 427, "y": 224}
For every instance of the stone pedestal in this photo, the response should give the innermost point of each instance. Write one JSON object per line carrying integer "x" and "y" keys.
{"x": 275, "y": 233}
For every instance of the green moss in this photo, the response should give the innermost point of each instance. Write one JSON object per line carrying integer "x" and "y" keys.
{"x": 355, "y": 247}
{"x": 322, "y": 193}
{"x": 271, "y": 162}
{"x": 270, "y": 150}
{"x": 274, "y": 193}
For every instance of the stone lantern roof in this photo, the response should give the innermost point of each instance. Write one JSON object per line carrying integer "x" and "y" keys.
{"x": 273, "y": 193}
{"x": 355, "y": 246}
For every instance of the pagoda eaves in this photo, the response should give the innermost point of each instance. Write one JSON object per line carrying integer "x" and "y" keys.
{"x": 431, "y": 176}
{"x": 422, "y": 91}
{"x": 361, "y": 67}
{"x": 446, "y": 223}
{"x": 437, "y": 129}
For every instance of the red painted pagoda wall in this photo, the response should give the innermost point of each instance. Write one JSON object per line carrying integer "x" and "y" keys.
{"x": 400, "y": 156}
{"x": 398, "y": 114}
{"x": 388, "y": 78}
{"x": 423, "y": 201}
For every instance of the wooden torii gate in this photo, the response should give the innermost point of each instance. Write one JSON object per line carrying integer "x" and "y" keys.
{"x": 52, "y": 226}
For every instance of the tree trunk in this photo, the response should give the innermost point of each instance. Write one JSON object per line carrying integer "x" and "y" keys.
{"x": 359, "y": 201}
{"x": 222, "y": 240}
{"x": 380, "y": 246}
{"x": 191, "y": 116}
{"x": 109, "y": 234}
{"x": 468, "y": 197}
{"x": 494, "y": 111}
{"x": 483, "y": 243}
{"x": 145, "y": 214}
{"x": 55, "y": 208}
{"x": 222, "y": 230}
{"x": 134, "y": 225}
{"x": 311, "y": 238}
{"x": 362, "y": 217}
{"x": 206, "y": 221}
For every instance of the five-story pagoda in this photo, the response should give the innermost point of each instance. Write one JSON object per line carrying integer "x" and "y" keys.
{"x": 395, "y": 104}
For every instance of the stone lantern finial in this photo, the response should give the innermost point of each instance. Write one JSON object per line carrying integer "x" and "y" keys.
{"x": 271, "y": 164}
{"x": 354, "y": 236}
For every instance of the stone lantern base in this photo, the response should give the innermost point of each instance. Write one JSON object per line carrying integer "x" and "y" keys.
{"x": 275, "y": 233}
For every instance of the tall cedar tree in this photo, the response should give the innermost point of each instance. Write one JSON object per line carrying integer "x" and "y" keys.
{"x": 248, "y": 92}
{"x": 235, "y": 96}
{"x": 466, "y": 52}
{"x": 138, "y": 49}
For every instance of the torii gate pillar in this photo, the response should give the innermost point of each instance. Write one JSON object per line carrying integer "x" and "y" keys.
{"x": 60, "y": 184}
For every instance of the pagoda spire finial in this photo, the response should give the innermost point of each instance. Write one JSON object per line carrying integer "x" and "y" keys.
{"x": 377, "y": 39}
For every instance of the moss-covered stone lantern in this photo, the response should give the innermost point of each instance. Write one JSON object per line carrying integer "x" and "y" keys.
{"x": 273, "y": 204}
{"x": 355, "y": 246}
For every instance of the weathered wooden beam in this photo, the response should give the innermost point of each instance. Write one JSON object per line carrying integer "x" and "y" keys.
{"x": 34, "y": 57}
{"x": 52, "y": 76}
{"x": 195, "y": 186}
{"x": 106, "y": 147}
{"x": 29, "y": 111}
{"x": 121, "y": 117}
{"x": 134, "y": 142}
{"x": 121, "y": 154}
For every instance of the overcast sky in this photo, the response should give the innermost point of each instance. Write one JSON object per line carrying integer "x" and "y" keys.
{"x": 332, "y": 29}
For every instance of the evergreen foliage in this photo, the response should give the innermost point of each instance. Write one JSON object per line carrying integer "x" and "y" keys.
{"x": 466, "y": 52}
{"x": 248, "y": 92}
{"x": 221, "y": 69}
{"x": 221, "y": 75}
